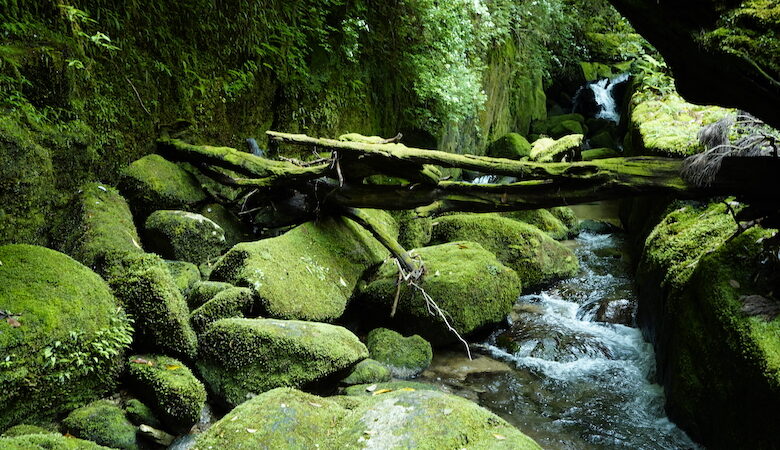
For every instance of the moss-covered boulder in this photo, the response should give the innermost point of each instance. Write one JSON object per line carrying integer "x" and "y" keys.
{"x": 467, "y": 282}
{"x": 47, "y": 441}
{"x": 424, "y": 419}
{"x": 184, "y": 274}
{"x": 413, "y": 231}
{"x": 150, "y": 295}
{"x": 234, "y": 302}
{"x": 406, "y": 357}
{"x": 140, "y": 414}
{"x": 56, "y": 313}
{"x": 364, "y": 390}
{"x": 510, "y": 146}
{"x": 549, "y": 150}
{"x": 367, "y": 371}
{"x": 242, "y": 357}
{"x": 184, "y": 236}
{"x": 24, "y": 429}
{"x": 543, "y": 220}
{"x": 235, "y": 230}
{"x": 169, "y": 387}
{"x": 567, "y": 217}
{"x": 308, "y": 273}
{"x": 535, "y": 256}
{"x": 204, "y": 291}
{"x": 98, "y": 222}
{"x": 560, "y": 125}
{"x": 153, "y": 183}
{"x": 102, "y": 422}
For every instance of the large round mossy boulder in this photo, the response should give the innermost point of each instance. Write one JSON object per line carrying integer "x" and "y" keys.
{"x": 153, "y": 183}
{"x": 102, "y": 422}
{"x": 472, "y": 288}
{"x": 145, "y": 287}
{"x": 406, "y": 357}
{"x": 510, "y": 146}
{"x": 184, "y": 236}
{"x": 235, "y": 230}
{"x": 550, "y": 150}
{"x": 169, "y": 387}
{"x": 242, "y": 357}
{"x": 535, "y": 256}
{"x": 367, "y": 371}
{"x": 308, "y": 273}
{"x": 543, "y": 220}
{"x": 62, "y": 334}
{"x": 47, "y": 441}
{"x": 203, "y": 291}
{"x": 405, "y": 418}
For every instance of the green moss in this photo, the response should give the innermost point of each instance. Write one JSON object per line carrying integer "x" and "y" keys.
{"x": 239, "y": 357}
{"x": 184, "y": 236}
{"x": 413, "y": 231}
{"x": 365, "y": 390}
{"x": 406, "y": 357}
{"x": 140, "y": 414}
{"x": 549, "y": 150}
{"x": 511, "y": 146}
{"x": 153, "y": 183}
{"x": 203, "y": 291}
{"x": 150, "y": 295}
{"x": 47, "y": 441}
{"x": 171, "y": 389}
{"x": 235, "y": 231}
{"x": 367, "y": 371}
{"x": 102, "y": 422}
{"x": 536, "y": 257}
{"x": 543, "y": 220}
{"x": 567, "y": 217}
{"x": 184, "y": 274}
{"x": 21, "y": 430}
{"x": 466, "y": 281}
{"x": 308, "y": 273}
{"x": 231, "y": 303}
{"x": 559, "y": 126}
{"x": 65, "y": 352}
{"x": 599, "y": 153}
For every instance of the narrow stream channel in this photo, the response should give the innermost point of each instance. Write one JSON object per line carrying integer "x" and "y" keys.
{"x": 575, "y": 382}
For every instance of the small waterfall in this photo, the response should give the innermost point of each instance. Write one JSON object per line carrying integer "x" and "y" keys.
{"x": 602, "y": 94}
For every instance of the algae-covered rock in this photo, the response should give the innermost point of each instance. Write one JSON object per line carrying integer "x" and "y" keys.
{"x": 466, "y": 281}
{"x": 308, "y": 273}
{"x": 60, "y": 312}
{"x": 169, "y": 387}
{"x": 406, "y": 418}
{"x": 140, "y": 414}
{"x": 549, "y": 150}
{"x": 153, "y": 183}
{"x": 406, "y": 357}
{"x": 535, "y": 256}
{"x": 367, "y": 371}
{"x": 150, "y": 295}
{"x": 47, "y": 441}
{"x": 204, "y": 291}
{"x": 242, "y": 357}
{"x": 24, "y": 429}
{"x": 184, "y": 274}
{"x": 102, "y": 422}
{"x": 511, "y": 146}
{"x": 543, "y": 220}
{"x": 567, "y": 217}
{"x": 235, "y": 230}
{"x": 184, "y": 236}
{"x": 98, "y": 223}
{"x": 362, "y": 390}
{"x": 234, "y": 302}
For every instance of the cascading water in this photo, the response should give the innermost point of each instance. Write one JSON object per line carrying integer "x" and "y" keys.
{"x": 602, "y": 93}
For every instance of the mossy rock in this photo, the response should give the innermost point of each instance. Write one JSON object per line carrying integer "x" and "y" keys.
{"x": 184, "y": 236}
{"x": 98, "y": 222}
{"x": 365, "y": 390}
{"x": 424, "y": 419}
{"x": 600, "y": 153}
{"x": 510, "y": 146}
{"x": 413, "y": 231}
{"x": 150, "y": 295}
{"x": 153, "y": 183}
{"x": 173, "y": 392}
{"x": 184, "y": 274}
{"x": 464, "y": 279}
{"x": 242, "y": 357}
{"x": 203, "y": 291}
{"x": 406, "y": 357}
{"x": 47, "y": 441}
{"x": 567, "y": 217}
{"x": 103, "y": 423}
{"x": 308, "y": 273}
{"x": 55, "y": 299}
{"x": 140, "y": 414}
{"x": 543, "y": 220}
{"x": 550, "y": 150}
{"x": 367, "y": 371}
{"x": 234, "y": 302}
{"x": 559, "y": 126}
{"x": 24, "y": 429}
{"x": 235, "y": 230}
{"x": 603, "y": 139}
{"x": 535, "y": 256}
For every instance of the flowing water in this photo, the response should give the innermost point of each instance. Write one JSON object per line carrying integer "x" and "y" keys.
{"x": 572, "y": 377}
{"x": 604, "y": 96}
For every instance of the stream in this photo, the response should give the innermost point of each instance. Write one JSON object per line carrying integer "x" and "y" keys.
{"x": 561, "y": 374}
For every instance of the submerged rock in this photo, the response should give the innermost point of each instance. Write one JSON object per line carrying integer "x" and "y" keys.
{"x": 406, "y": 357}
{"x": 406, "y": 418}
{"x": 511, "y": 146}
{"x": 104, "y": 423}
{"x": 184, "y": 236}
{"x": 464, "y": 279}
{"x": 367, "y": 371}
{"x": 54, "y": 310}
{"x": 240, "y": 358}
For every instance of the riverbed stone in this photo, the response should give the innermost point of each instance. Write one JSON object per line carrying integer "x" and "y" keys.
{"x": 406, "y": 357}
{"x": 184, "y": 236}
{"x": 474, "y": 288}
{"x": 104, "y": 423}
{"x": 535, "y": 256}
{"x": 169, "y": 387}
{"x": 240, "y": 358}
{"x": 543, "y": 220}
{"x": 52, "y": 308}
{"x": 308, "y": 273}
{"x": 367, "y": 371}
{"x": 424, "y": 419}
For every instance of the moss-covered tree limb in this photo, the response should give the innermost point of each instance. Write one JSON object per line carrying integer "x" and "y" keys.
{"x": 381, "y": 235}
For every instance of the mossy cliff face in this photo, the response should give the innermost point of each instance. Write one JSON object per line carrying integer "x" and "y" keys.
{"x": 720, "y": 366}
